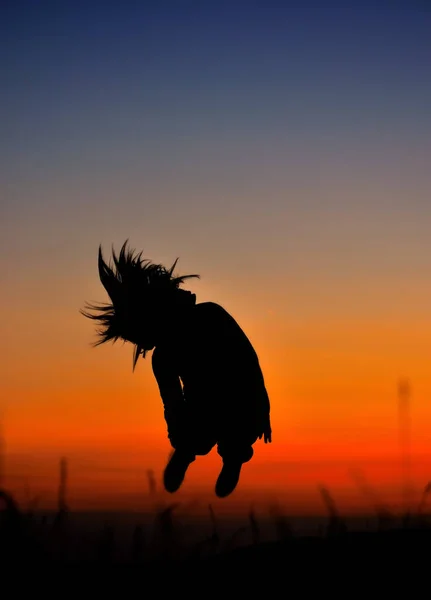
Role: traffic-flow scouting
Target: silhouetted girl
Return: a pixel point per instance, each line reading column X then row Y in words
column 208, row 373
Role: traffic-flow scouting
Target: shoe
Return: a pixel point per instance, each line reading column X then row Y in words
column 175, row 470
column 228, row 478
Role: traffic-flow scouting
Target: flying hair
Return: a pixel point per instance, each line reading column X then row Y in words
column 133, row 284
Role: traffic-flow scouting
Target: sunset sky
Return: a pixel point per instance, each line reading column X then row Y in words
column 281, row 150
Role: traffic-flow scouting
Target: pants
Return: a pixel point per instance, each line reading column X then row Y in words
column 233, row 431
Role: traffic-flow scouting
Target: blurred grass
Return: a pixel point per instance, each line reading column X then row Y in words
column 32, row 538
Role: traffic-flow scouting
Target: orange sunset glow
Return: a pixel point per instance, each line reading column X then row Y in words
column 333, row 392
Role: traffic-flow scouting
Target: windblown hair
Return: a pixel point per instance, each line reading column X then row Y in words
column 134, row 285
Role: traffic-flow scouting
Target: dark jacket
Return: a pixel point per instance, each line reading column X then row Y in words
column 209, row 367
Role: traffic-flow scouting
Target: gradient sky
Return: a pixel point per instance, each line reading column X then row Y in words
column 281, row 150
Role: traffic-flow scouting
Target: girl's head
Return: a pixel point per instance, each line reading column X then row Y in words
column 145, row 298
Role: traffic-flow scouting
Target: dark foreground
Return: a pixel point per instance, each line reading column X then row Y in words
column 388, row 563
column 395, row 554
